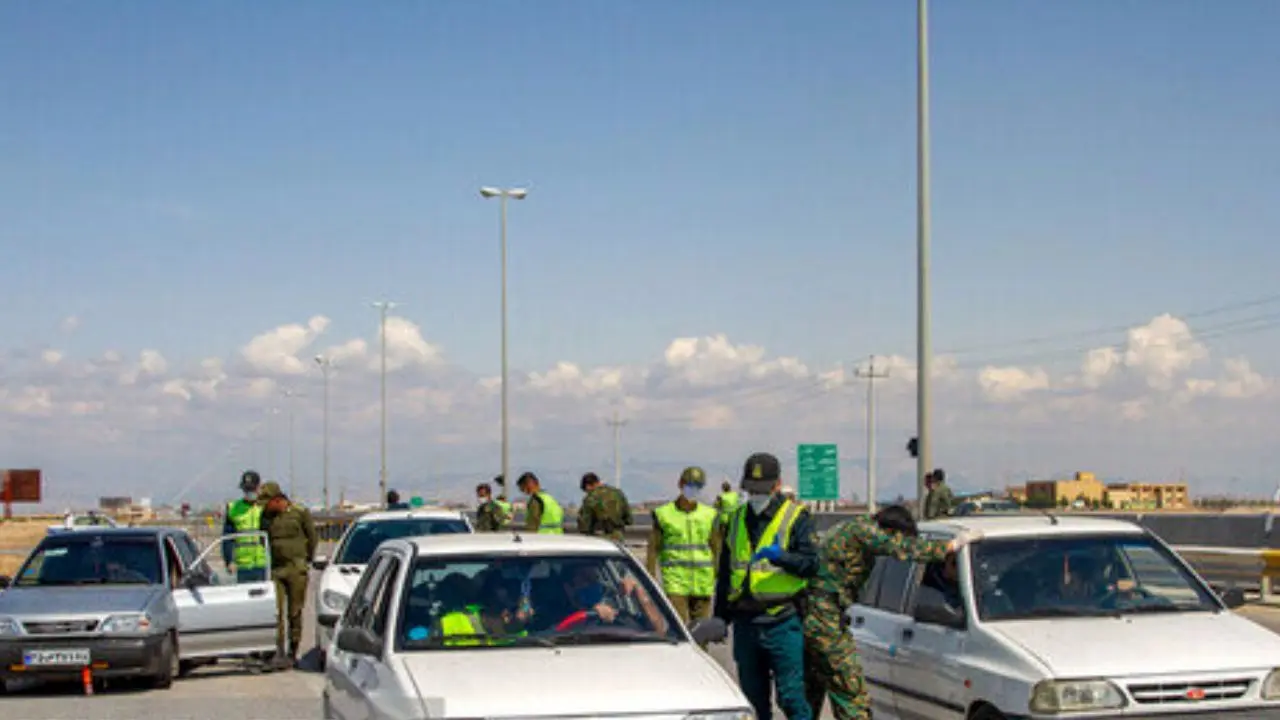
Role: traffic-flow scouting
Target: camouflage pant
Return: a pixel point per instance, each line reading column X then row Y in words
column 834, row 662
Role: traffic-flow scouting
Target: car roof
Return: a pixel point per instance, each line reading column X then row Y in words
column 506, row 543
column 127, row 532
column 425, row 513
column 1031, row 524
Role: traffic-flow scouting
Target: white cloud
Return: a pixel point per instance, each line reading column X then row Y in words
column 69, row 324
column 702, row 399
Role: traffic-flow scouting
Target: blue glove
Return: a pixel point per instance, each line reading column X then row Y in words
column 771, row 553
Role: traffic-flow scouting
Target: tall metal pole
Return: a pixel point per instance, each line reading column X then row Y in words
column 617, row 448
column 871, row 375
column 325, row 364
column 506, row 436
column 292, row 477
column 924, row 459
column 383, row 306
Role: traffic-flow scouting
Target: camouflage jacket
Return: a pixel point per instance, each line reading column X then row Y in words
column 292, row 536
column 848, row 554
column 605, row 511
column 490, row 517
column 938, row 502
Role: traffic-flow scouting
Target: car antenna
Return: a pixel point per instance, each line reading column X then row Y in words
column 1053, row 519
column 515, row 536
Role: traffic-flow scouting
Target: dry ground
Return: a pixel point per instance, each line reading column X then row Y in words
column 16, row 540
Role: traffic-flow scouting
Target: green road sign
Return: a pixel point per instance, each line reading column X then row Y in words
column 416, row 502
column 819, row 476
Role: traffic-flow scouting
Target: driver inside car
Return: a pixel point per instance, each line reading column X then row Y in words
column 586, row 589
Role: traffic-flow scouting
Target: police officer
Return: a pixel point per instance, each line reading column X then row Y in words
column 767, row 557
column 542, row 513
column 682, row 543
column 292, row 536
column 605, row 509
column 490, row 516
column 246, row 556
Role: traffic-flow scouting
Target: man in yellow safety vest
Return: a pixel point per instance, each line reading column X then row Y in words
column 246, row 556
column 542, row 514
column 682, row 543
column 767, row 558
column 726, row 503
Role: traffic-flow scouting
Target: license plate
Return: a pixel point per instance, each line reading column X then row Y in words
column 77, row 658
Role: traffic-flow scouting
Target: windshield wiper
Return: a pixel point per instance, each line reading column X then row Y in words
column 1153, row 609
column 611, row 636
column 479, row 640
column 1059, row 611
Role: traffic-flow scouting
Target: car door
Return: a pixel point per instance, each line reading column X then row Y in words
column 343, row 677
column 928, row 672
column 377, row 693
column 220, row 615
column 876, row 623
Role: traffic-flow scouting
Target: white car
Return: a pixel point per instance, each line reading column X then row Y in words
column 342, row 571
column 1045, row 616
column 440, row 627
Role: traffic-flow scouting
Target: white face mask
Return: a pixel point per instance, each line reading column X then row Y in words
column 251, row 497
column 690, row 492
column 759, row 502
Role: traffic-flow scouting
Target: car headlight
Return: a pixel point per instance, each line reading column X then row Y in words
column 1270, row 686
column 334, row 601
column 722, row 715
column 9, row 627
column 1057, row 696
column 129, row 623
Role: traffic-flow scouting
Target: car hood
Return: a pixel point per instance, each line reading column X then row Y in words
column 81, row 599
column 1145, row 644
column 341, row 578
column 588, row 681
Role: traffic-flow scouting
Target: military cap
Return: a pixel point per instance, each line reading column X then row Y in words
column 760, row 472
column 693, row 475
column 269, row 491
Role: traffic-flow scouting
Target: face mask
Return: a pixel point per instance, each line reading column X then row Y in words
column 589, row 596
column 759, row 502
column 690, row 492
column 251, row 497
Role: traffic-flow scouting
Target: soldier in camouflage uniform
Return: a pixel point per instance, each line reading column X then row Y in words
column 291, row 534
column 940, row 500
column 605, row 509
column 490, row 515
column 844, row 564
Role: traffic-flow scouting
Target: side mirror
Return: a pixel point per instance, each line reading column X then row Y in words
column 358, row 641
column 321, row 562
column 5, row 581
column 329, row 621
column 1232, row 598
column 710, row 630
column 933, row 610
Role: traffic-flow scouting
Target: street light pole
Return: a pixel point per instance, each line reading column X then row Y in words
column 383, row 306
column 325, row 364
column 924, row 457
column 289, row 397
column 502, row 195
column 871, row 375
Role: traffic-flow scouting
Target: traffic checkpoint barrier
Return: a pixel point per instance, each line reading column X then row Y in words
column 1255, row 569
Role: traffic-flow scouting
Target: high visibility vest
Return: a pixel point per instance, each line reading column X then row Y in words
column 506, row 509
column 462, row 623
column 762, row 580
column 249, row 553
column 729, row 502
column 552, row 515
column 685, row 556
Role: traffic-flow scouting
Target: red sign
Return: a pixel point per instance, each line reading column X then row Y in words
column 21, row 486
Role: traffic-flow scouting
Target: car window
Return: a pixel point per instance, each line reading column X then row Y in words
column 510, row 601
column 173, row 563
column 939, row 582
column 362, row 596
column 365, row 537
column 187, row 550
column 75, row 559
column 893, row 584
column 867, row 595
column 383, row 598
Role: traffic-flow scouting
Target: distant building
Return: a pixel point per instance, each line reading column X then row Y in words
column 1083, row 488
column 1016, row 493
column 1149, row 496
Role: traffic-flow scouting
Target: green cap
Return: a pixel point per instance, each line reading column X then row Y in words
column 693, row 476
column 269, row 491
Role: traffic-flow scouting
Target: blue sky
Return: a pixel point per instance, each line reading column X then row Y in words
column 184, row 176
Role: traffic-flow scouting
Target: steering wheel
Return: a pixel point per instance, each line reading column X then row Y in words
column 577, row 619
column 1111, row 597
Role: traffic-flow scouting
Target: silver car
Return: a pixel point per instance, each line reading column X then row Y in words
column 131, row 602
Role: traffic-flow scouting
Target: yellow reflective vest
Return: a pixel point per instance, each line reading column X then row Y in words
column 763, row 581
column 249, row 553
column 685, row 556
column 506, row 509
column 552, row 515
column 729, row 502
column 465, row 623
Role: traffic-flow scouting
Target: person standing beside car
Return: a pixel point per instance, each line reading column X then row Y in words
column 605, row 509
column 291, row 535
column 245, row 556
column 490, row 516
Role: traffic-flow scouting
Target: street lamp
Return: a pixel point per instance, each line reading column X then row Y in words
column 383, row 306
column 289, row 396
column 326, row 365
column 502, row 195
column 923, row 351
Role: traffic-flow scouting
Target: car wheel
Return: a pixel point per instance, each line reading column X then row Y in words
column 986, row 712
column 169, row 664
column 186, row 667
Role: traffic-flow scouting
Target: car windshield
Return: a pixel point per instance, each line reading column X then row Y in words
column 93, row 560
column 462, row 603
column 365, row 537
column 1016, row 579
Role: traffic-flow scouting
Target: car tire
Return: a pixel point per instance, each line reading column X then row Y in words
column 186, row 667
column 986, row 712
column 169, row 664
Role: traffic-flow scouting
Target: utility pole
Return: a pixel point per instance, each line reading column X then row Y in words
column 383, row 306
column 503, row 194
column 924, row 456
column 271, row 443
column 617, row 424
column 325, row 365
column 289, row 396
column 871, row 376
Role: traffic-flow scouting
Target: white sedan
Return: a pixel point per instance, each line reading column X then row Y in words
column 437, row 627
column 342, row 571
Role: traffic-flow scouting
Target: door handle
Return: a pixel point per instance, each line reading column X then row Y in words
column 908, row 633
column 257, row 592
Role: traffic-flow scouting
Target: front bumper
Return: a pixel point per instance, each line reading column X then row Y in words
column 108, row 657
column 1257, row 712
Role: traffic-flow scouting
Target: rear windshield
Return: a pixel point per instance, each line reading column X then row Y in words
column 365, row 537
